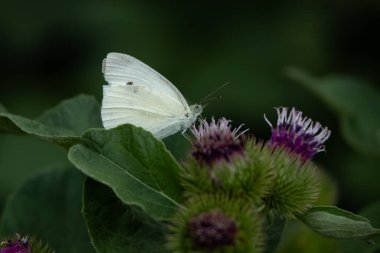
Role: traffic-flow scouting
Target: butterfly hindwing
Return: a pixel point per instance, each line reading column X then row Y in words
column 124, row 104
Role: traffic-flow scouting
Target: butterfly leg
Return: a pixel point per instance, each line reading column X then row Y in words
column 185, row 135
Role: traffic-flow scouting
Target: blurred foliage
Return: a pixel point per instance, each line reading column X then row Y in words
column 21, row 156
column 356, row 104
column 60, row 222
column 53, row 50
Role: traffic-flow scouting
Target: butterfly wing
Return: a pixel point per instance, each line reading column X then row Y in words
column 139, row 95
column 121, row 69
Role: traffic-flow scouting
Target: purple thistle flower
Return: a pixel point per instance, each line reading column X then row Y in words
column 215, row 141
column 19, row 245
column 298, row 134
column 212, row 230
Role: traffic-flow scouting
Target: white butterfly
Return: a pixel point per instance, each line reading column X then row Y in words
column 139, row 95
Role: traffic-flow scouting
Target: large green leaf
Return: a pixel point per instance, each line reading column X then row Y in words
column 178, row 146
column 371, row 212
column 356, row 103
column 134, row 164
column 48, row 206
column 2, row 108
column 336, row 223
column 63, row 124
column 299, row 238
column 115, row 227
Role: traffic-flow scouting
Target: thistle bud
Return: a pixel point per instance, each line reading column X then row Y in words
column 212, row 230
column 214, row 223
column 216, row 141
column 221, row 162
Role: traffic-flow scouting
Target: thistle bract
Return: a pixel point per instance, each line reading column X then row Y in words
column 295, row 185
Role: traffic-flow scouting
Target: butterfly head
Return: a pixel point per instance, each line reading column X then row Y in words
column 196, row 110
column 191, row 117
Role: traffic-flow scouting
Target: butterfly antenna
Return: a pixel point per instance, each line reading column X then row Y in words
column 207, row 102
column 206, row 99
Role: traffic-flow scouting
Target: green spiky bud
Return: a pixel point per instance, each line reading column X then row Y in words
column 19, row 244
column 213, row 223
column 296, row 183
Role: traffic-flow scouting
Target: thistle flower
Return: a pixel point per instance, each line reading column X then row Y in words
column 216, row 141
column 18, row 244
column 298, row 134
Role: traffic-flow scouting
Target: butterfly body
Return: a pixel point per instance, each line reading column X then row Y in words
column 138, row 95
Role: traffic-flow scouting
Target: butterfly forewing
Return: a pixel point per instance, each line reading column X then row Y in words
column 121, row 69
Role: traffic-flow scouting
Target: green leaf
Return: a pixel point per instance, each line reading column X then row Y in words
column 299, row 238
column 134, row 164
column 115, row 227
column 274, row 229
column 2, row 108
column 336, row 223
column 63, row 124
column 372, row 212
column 362, row 131
column 356, row 103
column 48, row 206
column 178, row 146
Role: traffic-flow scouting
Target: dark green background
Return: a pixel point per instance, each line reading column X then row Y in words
column 50, row 51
